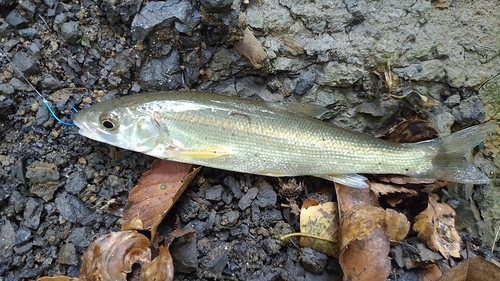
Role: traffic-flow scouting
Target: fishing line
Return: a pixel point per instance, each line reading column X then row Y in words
column 45, row 101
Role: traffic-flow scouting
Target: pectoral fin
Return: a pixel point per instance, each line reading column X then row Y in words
column 352, row 180
column 202, row 153
column 272, row 173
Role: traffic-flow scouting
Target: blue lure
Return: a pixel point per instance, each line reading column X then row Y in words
column 45, row 101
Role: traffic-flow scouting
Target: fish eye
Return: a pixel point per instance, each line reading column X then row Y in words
column 109, row 120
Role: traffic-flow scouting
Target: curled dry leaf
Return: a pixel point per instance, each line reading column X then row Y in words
column 320, row 223
column 473, row 269
column 436, row 226
column 251, row 48
column 157, row 191
column 111, row 257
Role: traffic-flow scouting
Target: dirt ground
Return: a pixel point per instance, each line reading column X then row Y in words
column 59, row 191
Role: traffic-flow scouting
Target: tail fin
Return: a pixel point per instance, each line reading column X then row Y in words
column 448, row 161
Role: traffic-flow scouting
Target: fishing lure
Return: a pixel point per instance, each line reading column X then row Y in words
column 44, row 100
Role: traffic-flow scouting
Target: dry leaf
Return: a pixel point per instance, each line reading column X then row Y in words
column 251, row 48
column 57, row 278
column 473, row 269
column 110, row 257
column 367, row 259
column 396, row 225
column 157, row 191
column 358, row 222
column 402, row 180
column 364, row 245
column 436, row 226
column 411, row 130
column 384, row 189
column 320, row 223
column 430, row 273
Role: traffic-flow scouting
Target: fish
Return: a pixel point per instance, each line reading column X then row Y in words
column 270, row 139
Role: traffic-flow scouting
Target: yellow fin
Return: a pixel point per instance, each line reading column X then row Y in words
column 200, row 153
column 272, row 173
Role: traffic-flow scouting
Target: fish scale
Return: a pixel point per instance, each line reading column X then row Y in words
column 264, row 138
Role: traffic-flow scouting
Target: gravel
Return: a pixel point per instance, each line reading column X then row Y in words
column 60, row 191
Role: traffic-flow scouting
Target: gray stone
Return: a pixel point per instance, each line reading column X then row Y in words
column 191, row 62
column 71, row 207
column 162, row 74
column 469, row 112
column 230, row 218
column 75, row 183
column 305, row 82
column 17, row 20
column 80, row 237
column 29, row 33
column 442, row 123
column 44, row 179
column 271, row 246
column 23, row 235
column 7, row 242
column 214, row 193
column 25, row 63
column 42, row 115
column 32, row 213
column 312, row 260
column 234, row 185
column 185, row 254
column 267, row 197
column 246, row 200
column 162, row 14
column 67, row 254
column 70, row 32
column 216, row 5
column 452, row 101
column 23, row 249
column 432, row 70
column 121, row 10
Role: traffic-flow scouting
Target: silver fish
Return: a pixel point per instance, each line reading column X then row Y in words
column 264, row 138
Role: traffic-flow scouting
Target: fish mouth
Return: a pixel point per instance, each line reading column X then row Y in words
column 84, row 130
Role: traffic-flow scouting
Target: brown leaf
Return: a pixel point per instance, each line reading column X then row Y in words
column 402, row 180
column 367, row 259
column 364, row 245
column 321, row 222
column 161, row 268
column 430, row 273
column 473, row 269
column 411, row 130
column 396, row 225
column 110, row 257
column 157, row 191
column 384, row 189
column 436, row 226
column 251, row 48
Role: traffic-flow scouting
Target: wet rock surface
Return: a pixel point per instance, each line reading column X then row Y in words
column 56, row 186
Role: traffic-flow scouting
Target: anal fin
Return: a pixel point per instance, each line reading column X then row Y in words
column 352, row 180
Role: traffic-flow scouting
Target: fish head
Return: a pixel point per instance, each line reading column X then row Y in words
column 124, row 126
